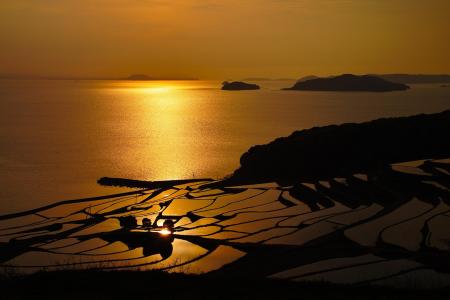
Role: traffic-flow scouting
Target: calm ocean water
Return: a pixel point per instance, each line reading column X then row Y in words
column 58, row 137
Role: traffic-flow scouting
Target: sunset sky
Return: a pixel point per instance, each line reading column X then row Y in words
column 221, row 39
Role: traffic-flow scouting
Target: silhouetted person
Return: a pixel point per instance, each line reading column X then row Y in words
column 146, row 223
column 168, row 224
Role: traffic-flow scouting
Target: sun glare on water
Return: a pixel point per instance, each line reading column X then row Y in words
column 148, row 87
column 155, row 89
column 165, row 232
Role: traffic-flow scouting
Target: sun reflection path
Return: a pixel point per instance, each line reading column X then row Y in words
column 166, row 118
column 367, row 229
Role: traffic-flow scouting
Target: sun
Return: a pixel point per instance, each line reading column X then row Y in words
column 165, row 232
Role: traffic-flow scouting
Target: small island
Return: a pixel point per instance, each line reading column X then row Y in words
column 349, row 82
column 238, row 86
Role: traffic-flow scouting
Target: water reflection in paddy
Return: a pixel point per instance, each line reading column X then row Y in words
column 231, row 230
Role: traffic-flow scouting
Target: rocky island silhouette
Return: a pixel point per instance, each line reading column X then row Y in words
column 238, row 86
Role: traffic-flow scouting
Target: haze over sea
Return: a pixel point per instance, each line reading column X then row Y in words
column 58, row 137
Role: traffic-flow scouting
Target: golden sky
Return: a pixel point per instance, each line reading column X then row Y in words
column 223, row 38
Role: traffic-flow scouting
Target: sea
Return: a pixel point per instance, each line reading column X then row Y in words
column 58, row 137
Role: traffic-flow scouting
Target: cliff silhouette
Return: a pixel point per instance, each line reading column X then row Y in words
column 340, row 150
column 348, row 82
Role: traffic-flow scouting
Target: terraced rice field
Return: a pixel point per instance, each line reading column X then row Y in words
column 390, row 227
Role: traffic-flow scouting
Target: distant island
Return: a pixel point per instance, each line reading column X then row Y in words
column 416, row 78
column 309, row 77
column 401, row 78
column 340, row 150
column 267, row 79
column 348, row 82
column 143, row 77
column 257, row 79
column 238, row 86
column 138, row 77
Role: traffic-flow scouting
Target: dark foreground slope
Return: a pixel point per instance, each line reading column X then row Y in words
column 349, row 82
column 159, row 285
column 340, row 150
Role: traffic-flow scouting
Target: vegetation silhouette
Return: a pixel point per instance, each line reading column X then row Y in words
column 92, row 284
column 131, row 183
